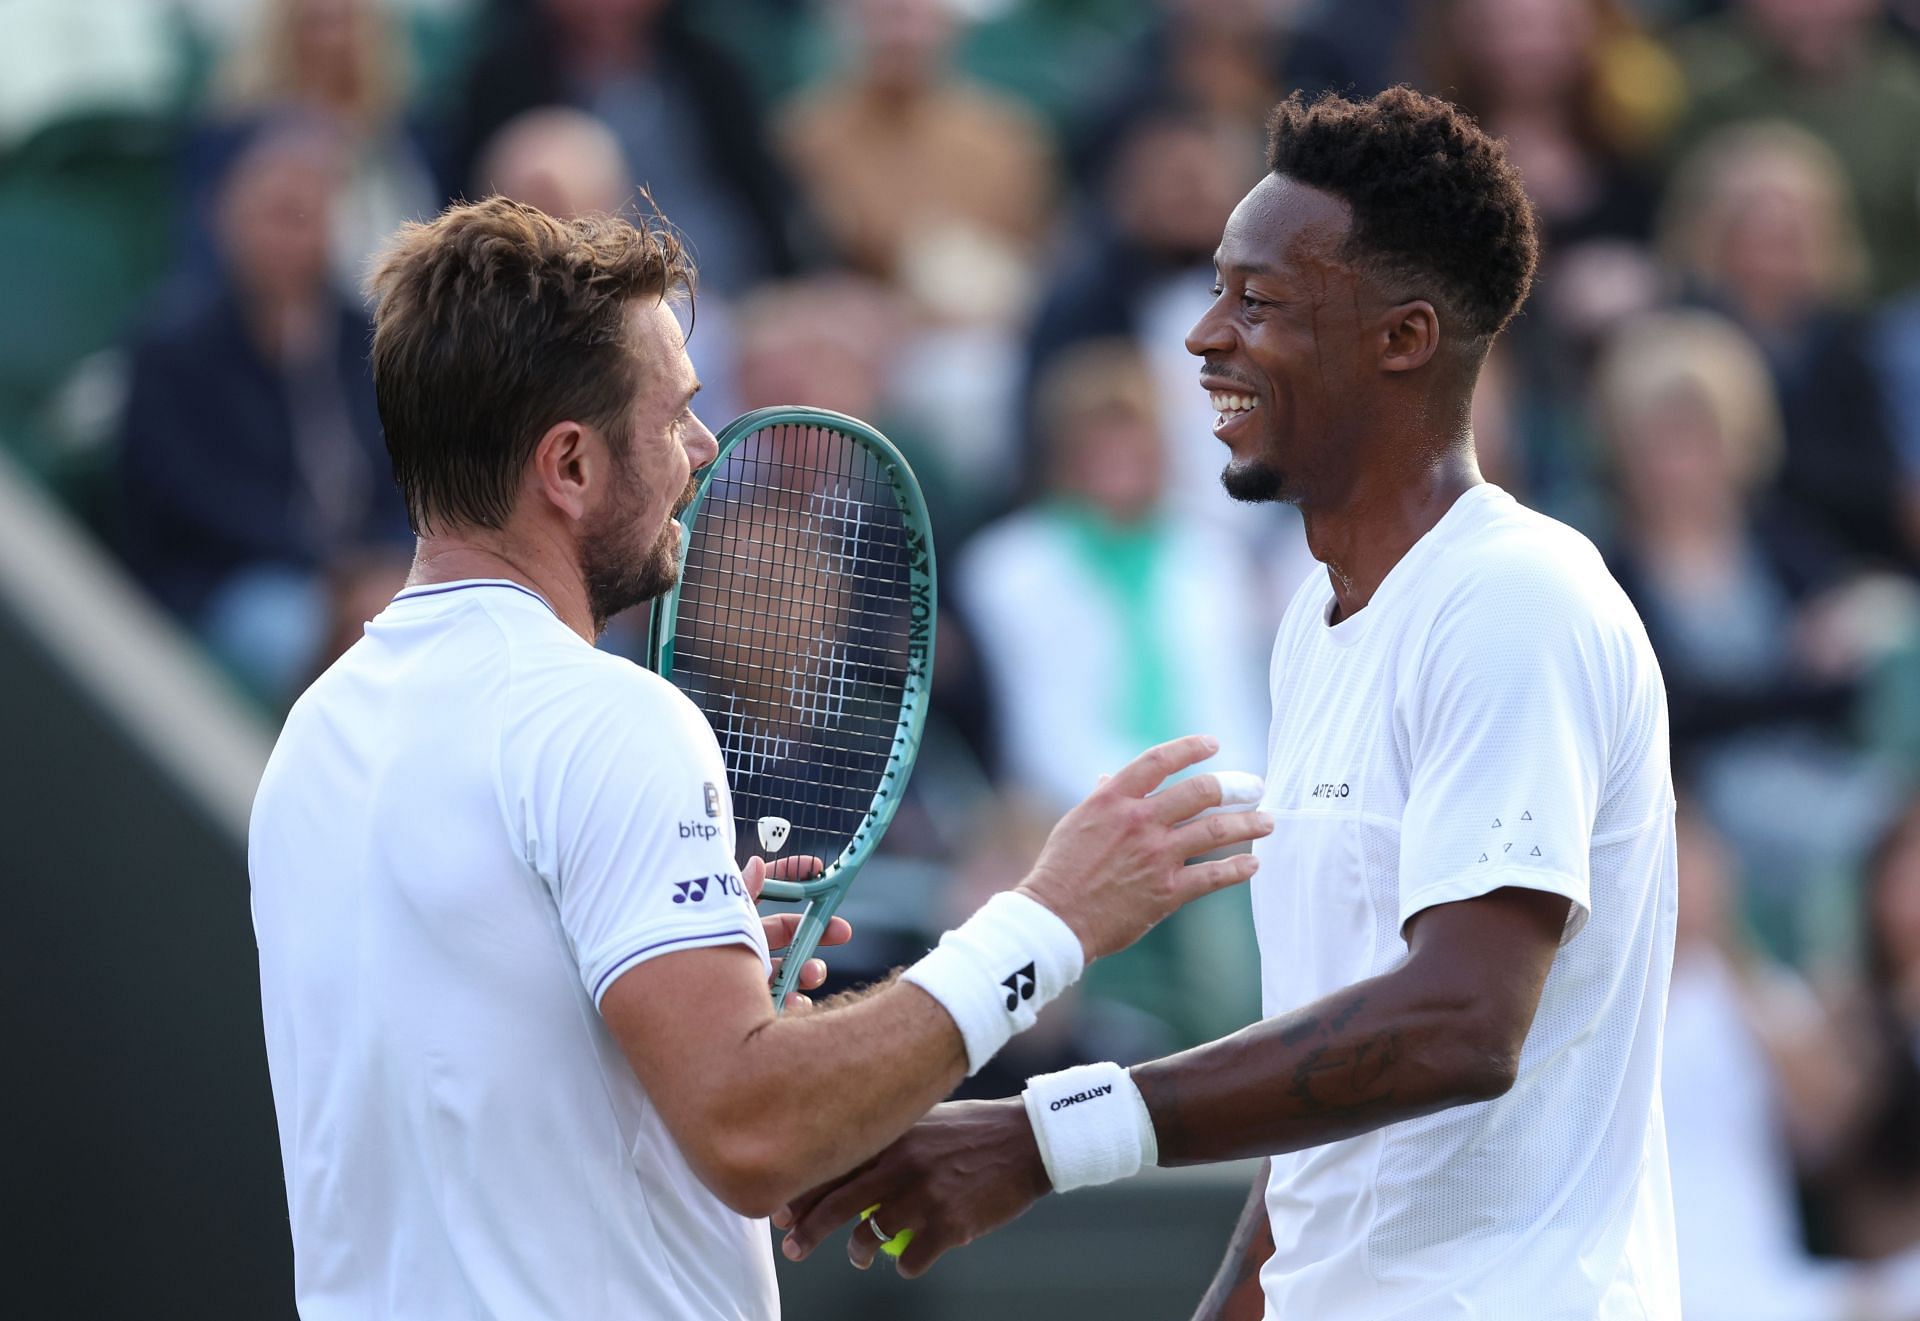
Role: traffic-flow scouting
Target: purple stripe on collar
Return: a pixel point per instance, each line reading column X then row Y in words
column 416, row 593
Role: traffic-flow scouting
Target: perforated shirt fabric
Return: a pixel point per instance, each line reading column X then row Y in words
column 472, row 825
column 1493, row 717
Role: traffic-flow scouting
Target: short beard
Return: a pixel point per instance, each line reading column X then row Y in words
column 1253, row 482
column 614, row 577
column 615, row 581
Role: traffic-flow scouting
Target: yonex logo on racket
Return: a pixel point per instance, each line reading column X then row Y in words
column 1019, row 987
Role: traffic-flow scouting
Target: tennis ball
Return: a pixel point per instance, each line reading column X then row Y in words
column 896, row 1245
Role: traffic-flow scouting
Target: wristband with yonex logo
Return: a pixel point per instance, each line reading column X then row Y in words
column 998, row 969
column 1091, row 1124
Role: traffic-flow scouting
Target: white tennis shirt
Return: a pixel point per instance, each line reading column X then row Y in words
column 470, row 826
column 1494, row 717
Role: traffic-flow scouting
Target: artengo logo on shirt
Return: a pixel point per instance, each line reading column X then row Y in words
column 1330, row 791
column 697, row 889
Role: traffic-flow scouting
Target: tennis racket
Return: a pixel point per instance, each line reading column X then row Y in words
column 802, row 627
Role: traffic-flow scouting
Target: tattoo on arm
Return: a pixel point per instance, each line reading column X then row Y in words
column 1341, row 1066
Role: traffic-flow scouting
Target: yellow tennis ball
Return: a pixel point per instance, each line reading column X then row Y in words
column 896, row 1245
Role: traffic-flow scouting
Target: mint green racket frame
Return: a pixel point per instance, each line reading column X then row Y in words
column 823, row 895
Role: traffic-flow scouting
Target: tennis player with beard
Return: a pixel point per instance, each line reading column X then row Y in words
column 515, row 990
column 1466, row 911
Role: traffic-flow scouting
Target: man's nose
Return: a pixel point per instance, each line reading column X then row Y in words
column 1210, row 334
column 702, row 448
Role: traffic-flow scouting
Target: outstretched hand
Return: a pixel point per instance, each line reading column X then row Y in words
column 1123, row 859
column 962, row 1172
column 781, row 926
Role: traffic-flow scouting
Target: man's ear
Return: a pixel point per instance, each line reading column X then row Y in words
column 1409, row 336
column 565, row 467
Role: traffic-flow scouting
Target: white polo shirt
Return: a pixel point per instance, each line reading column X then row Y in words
column 1493, row 717
column 470, row 826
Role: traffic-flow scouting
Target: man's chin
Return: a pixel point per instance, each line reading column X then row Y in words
column 1254, row 483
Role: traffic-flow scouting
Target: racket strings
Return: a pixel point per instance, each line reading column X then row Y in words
column 793, row 629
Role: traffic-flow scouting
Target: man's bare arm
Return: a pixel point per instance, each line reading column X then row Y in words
column 1235, row 1294
column 765, row 1107
column 1444, row 1028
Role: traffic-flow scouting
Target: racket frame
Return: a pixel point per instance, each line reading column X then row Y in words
column 823, row 894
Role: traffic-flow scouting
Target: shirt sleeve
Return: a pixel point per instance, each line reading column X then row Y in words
column 627, row 819
column 1507, row 734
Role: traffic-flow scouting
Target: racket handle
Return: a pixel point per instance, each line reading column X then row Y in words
column 813, row 925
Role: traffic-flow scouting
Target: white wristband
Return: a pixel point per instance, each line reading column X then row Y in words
column 994, row 972
column 1092, row 1125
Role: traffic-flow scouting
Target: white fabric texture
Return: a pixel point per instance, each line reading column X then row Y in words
column 471, row 826
column 1091, row 1125
column 996, row 971
column 1494, row 717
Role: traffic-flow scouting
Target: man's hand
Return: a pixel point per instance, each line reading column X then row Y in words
column 1117, row 863
column 781, row 926
column 966, row 1169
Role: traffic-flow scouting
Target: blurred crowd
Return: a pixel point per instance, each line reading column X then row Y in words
column 986, row 226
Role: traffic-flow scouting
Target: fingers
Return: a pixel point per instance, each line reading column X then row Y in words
column 1206, row 877
column 781, row 926
column 799, row 867
column 1201, row 793
column 831, row 1209
column 813, row 973
column 1149, row 770
column 1209, row 833
column 754, row 877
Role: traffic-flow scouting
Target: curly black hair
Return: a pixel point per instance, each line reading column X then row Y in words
column 1437, row 208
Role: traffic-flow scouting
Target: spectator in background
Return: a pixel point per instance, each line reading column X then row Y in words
column 943, row 188
column 345, row 62
column 914, row 171
column 1576, row 92
column 1757, row 1078
column 563, row 161
column 1221, row 58
column 1756, row 621
column 683, row 111
column 1835, row 68
column 251, row 452
column 1876, row 1192
column 1103, row 621
column 1581, row 96
column 1759, row 224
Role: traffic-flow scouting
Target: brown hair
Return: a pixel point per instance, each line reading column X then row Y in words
column 495, row 321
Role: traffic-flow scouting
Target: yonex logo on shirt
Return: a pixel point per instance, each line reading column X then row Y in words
column 695, row 890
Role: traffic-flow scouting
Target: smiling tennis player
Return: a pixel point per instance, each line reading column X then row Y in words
column 515, row 991
column 1466, row 913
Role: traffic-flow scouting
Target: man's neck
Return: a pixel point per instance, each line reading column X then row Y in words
column 536, row 566
column 1379, row 522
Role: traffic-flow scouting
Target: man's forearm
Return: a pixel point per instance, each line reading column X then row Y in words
column 812, row 1096
column 1235, row 1294
column 1380, row 1051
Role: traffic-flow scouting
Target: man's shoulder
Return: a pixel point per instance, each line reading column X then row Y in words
column 561, row 676
column 1516, row 553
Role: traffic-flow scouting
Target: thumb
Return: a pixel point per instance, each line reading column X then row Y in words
column 754, row 877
